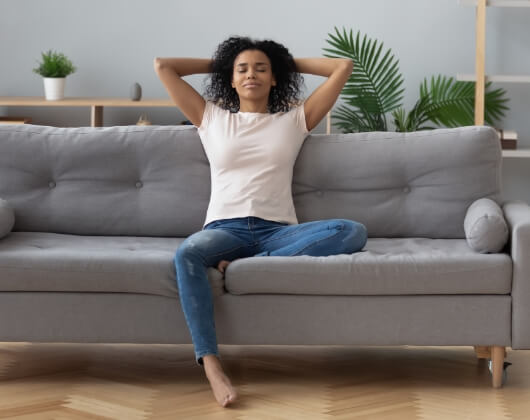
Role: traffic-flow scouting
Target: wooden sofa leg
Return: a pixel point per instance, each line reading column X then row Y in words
column 497, row 362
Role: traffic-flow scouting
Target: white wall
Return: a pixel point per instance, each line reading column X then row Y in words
column 113, row 43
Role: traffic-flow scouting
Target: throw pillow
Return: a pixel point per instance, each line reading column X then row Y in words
column 7, row 218
column 485, row 227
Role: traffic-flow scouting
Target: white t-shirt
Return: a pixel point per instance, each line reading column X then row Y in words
column 251, row 157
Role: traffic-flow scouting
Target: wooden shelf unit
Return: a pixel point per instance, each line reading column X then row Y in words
column 96, row 104
column 516, row 153
column 502, row 78
column 480, row 77
column 498, row 3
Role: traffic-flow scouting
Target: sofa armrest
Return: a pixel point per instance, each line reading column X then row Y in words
column 517, row 214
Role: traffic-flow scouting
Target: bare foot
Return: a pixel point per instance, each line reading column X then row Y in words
column 223, row 391
column 222, row 265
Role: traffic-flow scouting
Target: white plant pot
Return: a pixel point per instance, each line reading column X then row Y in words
column 54, row 88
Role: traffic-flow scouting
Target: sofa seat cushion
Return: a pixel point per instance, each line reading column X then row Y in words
column 396, row 266
column 45, row 262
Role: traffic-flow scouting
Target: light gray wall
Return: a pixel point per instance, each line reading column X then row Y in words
column 113, row 43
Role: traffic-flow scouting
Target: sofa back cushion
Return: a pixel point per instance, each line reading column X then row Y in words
column 155, row 180
column 417, row 184
column 129, row 180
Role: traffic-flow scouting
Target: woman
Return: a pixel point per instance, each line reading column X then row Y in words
column 252, row 128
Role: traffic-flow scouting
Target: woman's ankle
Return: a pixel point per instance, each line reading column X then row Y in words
column 211, row 360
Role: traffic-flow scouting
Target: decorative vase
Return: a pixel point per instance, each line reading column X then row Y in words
column 136, row 92
column 54, row 88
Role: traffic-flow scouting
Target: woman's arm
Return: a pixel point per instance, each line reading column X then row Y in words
column 337, row 70
column 187, row 99
column 185, row 66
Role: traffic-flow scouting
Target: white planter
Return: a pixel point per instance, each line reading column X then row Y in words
column 54, row 88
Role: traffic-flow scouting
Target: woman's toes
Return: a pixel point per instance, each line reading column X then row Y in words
column 222, row 265
column 223, row 391
column 230, row 398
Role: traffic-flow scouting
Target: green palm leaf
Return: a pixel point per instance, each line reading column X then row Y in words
column 415, row 119
column 494, row 104
column 374, row 87
column 449, row 103
column 452, row 103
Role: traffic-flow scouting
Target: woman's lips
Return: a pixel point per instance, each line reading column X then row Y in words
column 253, row 85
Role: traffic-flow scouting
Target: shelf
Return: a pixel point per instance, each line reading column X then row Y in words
column 96, row 104
column 516, row 153
column 506, row 78
column 82, row 101
column 480, row 78
column 498, row 3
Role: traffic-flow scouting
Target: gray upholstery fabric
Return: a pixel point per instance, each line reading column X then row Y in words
column 155, row 181
column 39, row 261
column 131, row 181
column 416, row 184
column 259, row 319
column 387, row 266
column 365, row 320
column 101, row 212
column 35, row 261
column 485, row 227
column 7, row 218
column 518, row 217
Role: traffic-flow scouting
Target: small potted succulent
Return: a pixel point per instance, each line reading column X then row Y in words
column 54, row 68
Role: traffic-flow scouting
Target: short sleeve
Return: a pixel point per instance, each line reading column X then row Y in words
column 300, row 118
column 207, row 116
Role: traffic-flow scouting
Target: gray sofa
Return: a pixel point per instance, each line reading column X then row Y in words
column 100, row 212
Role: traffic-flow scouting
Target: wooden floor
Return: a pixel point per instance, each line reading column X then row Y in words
column 129, row 382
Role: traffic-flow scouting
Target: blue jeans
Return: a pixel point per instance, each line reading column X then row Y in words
column 242, row 237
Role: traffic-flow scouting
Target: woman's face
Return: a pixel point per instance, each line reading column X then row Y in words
column 252, row 75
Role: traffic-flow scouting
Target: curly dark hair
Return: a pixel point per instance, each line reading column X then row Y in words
column 282, row 97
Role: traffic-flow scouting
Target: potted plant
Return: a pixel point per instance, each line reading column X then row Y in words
column 375, row 89
column 54, row 68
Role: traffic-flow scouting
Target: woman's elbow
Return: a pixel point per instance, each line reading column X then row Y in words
column 157, row 63
column 348, row 64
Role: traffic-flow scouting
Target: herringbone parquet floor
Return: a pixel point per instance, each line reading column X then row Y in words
column 130, row 382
